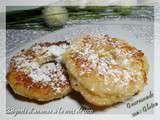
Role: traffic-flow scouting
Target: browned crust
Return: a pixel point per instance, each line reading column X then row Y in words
column 24, row 86
column 74, row 57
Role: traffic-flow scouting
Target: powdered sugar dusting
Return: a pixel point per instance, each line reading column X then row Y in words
column 56, row 50
column 107, row 56
column 48, row 72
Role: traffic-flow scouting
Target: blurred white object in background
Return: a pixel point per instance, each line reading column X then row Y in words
column 55, row 16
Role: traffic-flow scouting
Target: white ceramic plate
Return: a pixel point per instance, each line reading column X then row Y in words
column 73, row 102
